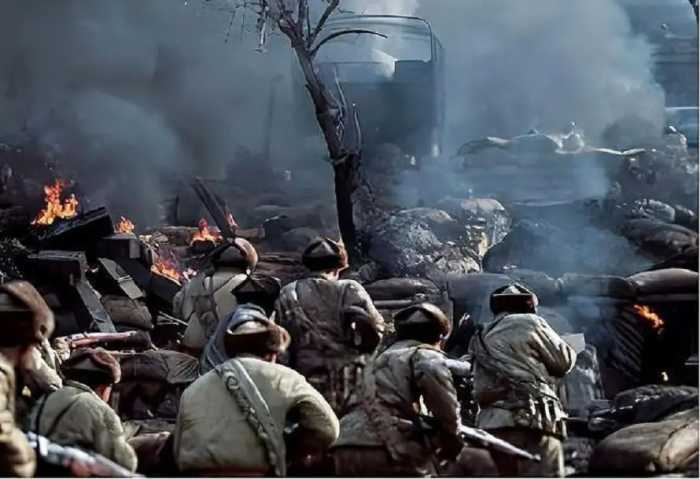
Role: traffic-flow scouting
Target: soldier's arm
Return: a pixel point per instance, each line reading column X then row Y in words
column 557, row 356
column 434, row 381
column 357, row 296
column 318, row 426
column 110, row 440
column 17, row 458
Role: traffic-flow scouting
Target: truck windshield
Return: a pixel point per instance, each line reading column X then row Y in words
column 407, row 39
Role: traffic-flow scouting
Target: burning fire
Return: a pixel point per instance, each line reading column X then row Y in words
column 125, row 226
column 167, row 267
column 649, row 316
column 54, row 207
column 205, row 233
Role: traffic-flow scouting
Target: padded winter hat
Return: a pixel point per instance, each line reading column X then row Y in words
column 26, row 318
column 239, row 254
column 423, row 315
column 514, row 298
column 97, row 363
column 324, row 254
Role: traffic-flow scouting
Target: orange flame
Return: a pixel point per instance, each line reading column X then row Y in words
column 167, row 267
column 54, row 207
column 649, row 316
column 205, row 233
column 125, row 226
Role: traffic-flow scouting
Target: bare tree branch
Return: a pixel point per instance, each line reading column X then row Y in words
column 344, row 32
column 332, row 5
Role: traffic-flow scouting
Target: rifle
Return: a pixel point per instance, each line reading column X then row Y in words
column 483, row 438
column 70, row 458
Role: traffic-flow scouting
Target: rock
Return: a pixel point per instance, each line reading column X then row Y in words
column 399, row 288
column 405, row 245
column 296, row 216
column 487, row 221
column 649, row 448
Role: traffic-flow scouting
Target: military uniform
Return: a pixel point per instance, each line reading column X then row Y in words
column 517, row 360
column 231, row 420
column 333, row 323
column 17, row 458
column 76, row 416
column 207, row 299
column 26, row 321
column 256, row 295
column 383, row 436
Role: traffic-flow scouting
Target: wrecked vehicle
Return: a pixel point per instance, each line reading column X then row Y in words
column 396, row 80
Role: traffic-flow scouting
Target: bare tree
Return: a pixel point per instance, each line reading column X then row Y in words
column 338, row 121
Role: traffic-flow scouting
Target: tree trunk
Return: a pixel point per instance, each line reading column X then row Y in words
column 345, row 185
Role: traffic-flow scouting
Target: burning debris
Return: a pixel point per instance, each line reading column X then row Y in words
column 205, row 233
column 648, row 317
column 56, row 207
column 165, row 264
column 125, row 226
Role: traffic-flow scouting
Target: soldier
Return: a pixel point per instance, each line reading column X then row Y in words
column 207, row 299
column 518, row 359
column 231, row 420
column 333, row 324
column 79, row 414
column 28, row 321
column 383, row 436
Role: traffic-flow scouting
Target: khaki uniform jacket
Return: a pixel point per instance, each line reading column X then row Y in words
column 76, row 416
column 205, row 301
column 407, row 379
column 517, row 360
column 17, row 458
column 311, row 310
column 212, row 434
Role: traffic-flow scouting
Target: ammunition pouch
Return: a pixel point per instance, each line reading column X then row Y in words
column 543, row 414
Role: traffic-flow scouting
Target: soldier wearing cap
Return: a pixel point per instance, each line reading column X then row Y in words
column 256, row 297
column 27, row 321
column 333, row 323
column 232, row 419
column 79, row 415
column 518, row 358
column 207, row 300
column 410, row 379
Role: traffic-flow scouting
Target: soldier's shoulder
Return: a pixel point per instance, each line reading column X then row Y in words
column 523, row 319
column 352, row 285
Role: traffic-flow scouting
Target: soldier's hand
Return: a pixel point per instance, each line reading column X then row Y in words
column 80, row 469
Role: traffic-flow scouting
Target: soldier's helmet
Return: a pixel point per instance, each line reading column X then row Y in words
column 514, row 298
column 27, row 318
column 258, row 289
column 250, row 331
column 324, row 254
column 239, row 254
column 92, row 365
column 423, row 318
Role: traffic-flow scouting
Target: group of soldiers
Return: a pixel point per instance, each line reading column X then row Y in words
column 303, row 380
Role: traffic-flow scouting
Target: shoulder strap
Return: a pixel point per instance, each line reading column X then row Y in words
column 247, row 396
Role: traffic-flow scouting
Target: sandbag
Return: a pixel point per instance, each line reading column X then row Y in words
column 659, row 447
column 400, row 288
column 655, row 402
column 664, row 281
column 573, row 284
column 127, row 312
column 547, row 289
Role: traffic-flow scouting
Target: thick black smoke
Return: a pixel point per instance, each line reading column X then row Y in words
column 130, row 92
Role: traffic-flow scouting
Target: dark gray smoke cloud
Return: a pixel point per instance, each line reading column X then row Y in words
column 129, row 92
column 512, row 66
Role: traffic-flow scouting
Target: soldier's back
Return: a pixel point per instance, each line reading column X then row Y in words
column 213, row 433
